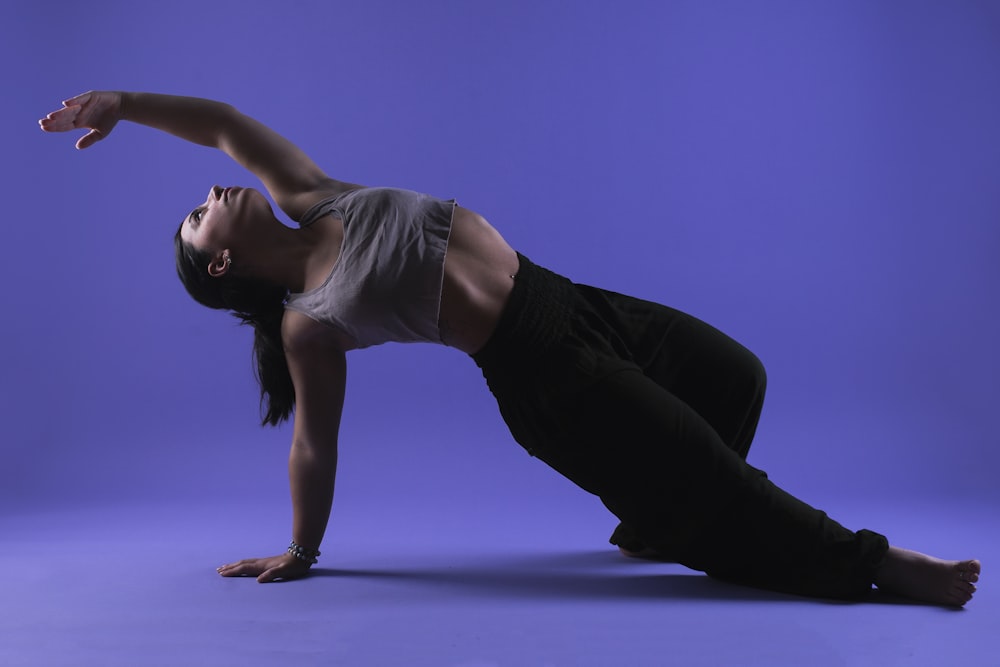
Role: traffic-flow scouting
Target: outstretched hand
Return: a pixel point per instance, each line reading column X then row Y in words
column 97, row 111
column 285, row 566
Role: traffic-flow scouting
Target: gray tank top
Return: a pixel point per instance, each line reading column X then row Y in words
column 386, row 284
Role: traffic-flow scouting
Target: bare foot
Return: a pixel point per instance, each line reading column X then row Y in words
column 928, row 579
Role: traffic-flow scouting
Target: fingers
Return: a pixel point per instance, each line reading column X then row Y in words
column 245, row 568
column 64, row 119
column 60, row 120
column 266, row 569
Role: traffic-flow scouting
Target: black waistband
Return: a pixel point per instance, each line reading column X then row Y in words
column 535, row 317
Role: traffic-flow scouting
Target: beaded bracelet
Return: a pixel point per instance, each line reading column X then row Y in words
column 310, row 556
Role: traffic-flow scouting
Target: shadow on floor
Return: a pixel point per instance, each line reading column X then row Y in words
column 583, row 575
column 571, row 575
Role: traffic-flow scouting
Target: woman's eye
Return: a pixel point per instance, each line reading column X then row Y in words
column 197, row 215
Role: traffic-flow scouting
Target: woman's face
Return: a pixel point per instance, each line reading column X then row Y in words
column 225, row 216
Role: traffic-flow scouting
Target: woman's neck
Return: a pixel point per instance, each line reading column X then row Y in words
column 293, row 258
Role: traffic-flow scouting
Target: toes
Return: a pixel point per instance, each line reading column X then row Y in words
column 962, row 592
column 958, row 597
column 968, row 571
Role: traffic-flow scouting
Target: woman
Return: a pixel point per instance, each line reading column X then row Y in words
column 644, row 406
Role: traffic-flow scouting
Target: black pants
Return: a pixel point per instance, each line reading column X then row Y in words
column 654, row 411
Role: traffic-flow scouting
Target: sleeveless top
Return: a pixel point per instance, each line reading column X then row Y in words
column 386, row 284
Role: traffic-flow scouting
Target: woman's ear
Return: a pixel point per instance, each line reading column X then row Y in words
column 220, row 264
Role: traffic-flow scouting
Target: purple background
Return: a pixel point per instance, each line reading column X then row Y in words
column 819, row 180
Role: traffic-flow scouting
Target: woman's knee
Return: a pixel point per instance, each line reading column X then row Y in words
column 756, row 375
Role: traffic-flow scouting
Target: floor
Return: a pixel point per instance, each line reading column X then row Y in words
column 112, row 585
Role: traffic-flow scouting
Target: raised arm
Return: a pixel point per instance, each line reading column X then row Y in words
column 319, row 372
column 289, row 175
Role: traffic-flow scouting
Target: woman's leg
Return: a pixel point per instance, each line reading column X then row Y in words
column 570, row 396
column 721, row 380
column 665, row 472
column 718, row 378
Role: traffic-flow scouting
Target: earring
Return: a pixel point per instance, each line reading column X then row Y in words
column 227, row 259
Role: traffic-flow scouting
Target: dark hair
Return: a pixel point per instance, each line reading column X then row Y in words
column 255, row 302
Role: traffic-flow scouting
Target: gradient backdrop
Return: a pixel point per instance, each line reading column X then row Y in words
column 817, row 179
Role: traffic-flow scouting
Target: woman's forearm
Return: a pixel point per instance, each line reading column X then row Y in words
column 289, row 175
column 194, row 119
column 311, row 473
column 283, row 168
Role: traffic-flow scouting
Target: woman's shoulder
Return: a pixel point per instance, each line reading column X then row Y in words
column 318, row 368
column 304, row 337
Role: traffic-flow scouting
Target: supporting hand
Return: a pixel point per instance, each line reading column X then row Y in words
column 98, row 111
column 285, row 566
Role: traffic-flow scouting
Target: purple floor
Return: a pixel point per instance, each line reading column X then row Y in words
column 136, row 586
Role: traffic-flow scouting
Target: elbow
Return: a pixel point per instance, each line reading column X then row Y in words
column 228, row 121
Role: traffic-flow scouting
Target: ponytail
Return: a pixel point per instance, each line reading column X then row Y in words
column 254, row 302
column 276, row 389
